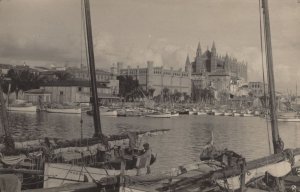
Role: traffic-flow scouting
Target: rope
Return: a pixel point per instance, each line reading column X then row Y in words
column 66, row 174
column 94, row 180
column 80, row 173
column 263, row 71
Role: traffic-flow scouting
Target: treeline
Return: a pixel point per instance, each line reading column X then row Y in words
column 17, row 80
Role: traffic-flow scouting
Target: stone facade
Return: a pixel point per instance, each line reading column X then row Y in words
column 257, row 88
column 158, row 78
column 210, row 62
column 209, row 69
column 75, row 91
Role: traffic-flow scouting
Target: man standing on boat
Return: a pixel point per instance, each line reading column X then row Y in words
column 144, row 159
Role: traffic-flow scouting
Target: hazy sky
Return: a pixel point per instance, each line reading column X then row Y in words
column 44, row 32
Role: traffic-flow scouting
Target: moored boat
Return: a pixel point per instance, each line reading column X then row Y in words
column 236, row 114
column 218, row 113
column 174, row 114
column 296, row 119
column 186, row 112
column 108, row 113
column 257, row 113
column 159, row 115
column 228, row 113
column 23, row 108
column 200, row 113
column 247, row 115
column 64, row 110
column 288, row 117
column 111, row 113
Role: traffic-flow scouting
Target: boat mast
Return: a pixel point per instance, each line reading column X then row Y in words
column 296, row 93
column 91, row 59
column 8, row 141
column 277, row 142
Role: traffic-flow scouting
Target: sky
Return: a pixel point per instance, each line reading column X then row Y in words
column 49, row 32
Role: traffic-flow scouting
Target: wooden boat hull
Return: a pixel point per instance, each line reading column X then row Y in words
column 247, row 115
column 276, row 165
column 174, row 114
column 279, row 169
column 200, row 113
column 23, row 109
column 159, row 115
column 257, row 113
column 66, row 111
column 218, row 113
column 289, row 119
column 109, row 113
column 186, row 112
column 183, row 170
column 227, row 114
column 236, row 114
column 105, row 113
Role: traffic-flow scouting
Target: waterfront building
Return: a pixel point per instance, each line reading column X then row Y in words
column 210, row 69
column 75, row 91
column 158, row 78
column 37, row 96
column 102, row 76
column 257, row 88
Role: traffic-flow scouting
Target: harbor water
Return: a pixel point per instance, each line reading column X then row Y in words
column 182, row 144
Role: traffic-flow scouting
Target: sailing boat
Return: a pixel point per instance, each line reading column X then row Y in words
column 233, row 173
column 97, row 170
column 72, row 155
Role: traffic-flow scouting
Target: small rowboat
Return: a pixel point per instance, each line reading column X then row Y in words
column 23, row 109
column 66, row 110
column 159, row 115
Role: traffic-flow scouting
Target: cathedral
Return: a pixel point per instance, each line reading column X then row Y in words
column 211, row 63
column 210, row 69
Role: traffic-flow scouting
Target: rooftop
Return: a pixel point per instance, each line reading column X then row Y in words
column 37, row 91
column 73, row 83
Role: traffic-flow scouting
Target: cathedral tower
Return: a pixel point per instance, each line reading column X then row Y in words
column 213, row 64
column 187, row 64
column 199, row 52
column 199, row 64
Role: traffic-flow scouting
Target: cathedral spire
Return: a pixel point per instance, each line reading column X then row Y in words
column 187, row 62
column 213, row 48
column 199, row 52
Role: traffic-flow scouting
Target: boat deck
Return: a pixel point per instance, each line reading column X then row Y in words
column 153, row 182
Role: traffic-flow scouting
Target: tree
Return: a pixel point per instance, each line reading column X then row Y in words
column 176, row 96
column 22, row 80
column 207, row 95
column 223, row 96
column 151, row 92
column 127, row 86
column 166, row 94
column 63, row 75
